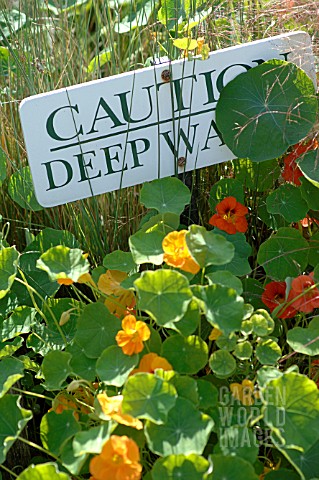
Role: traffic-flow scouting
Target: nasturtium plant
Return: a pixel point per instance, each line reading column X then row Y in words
column 278, row 100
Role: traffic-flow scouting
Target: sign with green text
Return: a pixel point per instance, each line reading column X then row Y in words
column 131, row 128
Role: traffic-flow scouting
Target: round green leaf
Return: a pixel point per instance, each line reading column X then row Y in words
column 268, row 352
column 291, row 411
column 226, row 279
column 92, row 441
column 185, row 431
column 208, row 248
column 284, row 255
column 147, row 247
column 50, row 237
column 239, row 441
column 165, row 195
column 13, row 419
column 226, row 342
column 288, row 202
column 56, row 429
column 19, row 322
column 175, row 467
column 207, row 393
column 185, row 354
column 21, row 190
column 164, row 295
column 239, row 265
column 222, row 363
column 113, row 366
column 148, row 396
column 310, row 193
column 81, row 365
column 43, row 471
column 164, row 222
column 118, row 260
column 11, row 370
column 189, row 322
column 308, row 164
column 63, row 262
column 56, row 368
column 304, row 340
column 262, row 323
column 275, row 100
column 9, row 258
column 243, row 350
column 256, row 176
column 305, row 462
column 228, row 467
column 96, row 329
column 224, row 309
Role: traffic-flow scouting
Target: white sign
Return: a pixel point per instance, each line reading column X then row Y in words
column 131, row 128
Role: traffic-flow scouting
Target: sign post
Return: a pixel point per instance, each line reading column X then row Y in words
column 155, row 122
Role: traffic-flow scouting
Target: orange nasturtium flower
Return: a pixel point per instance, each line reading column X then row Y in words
column 118, row 460
column 244, row 392
column 134, row 333
column 214, row 334
column 230, row 216
column 176, row 253
column 112, row 408
column 120, row 301
column 150, row 362
column 306, row 298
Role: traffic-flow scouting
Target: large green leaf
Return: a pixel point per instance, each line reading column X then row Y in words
column 147, row 247
column 224, row 309
column 43, row 471
column 13, row 419
column 310, row 193
column 225, row 278
column 306, row 463
column 11, row 370
column 304, row 340
column 185, row 354
column 118, row 260
column 239, row 440
column 52, row 336
column 92, row 441
column 308, row 164
column 291, row 411
column 81, row 365
column 228, row 467
column 9, row 258
column 285, row 254
column 185, row 431
column 63, row 263
column 56, row 429
column 73, row 463
column 275, row 100
column 165, row 195
column 50, row 237
column 268, row 351
column 96, row 329
column 175, row 467
column 288, row 202
column 21, row 190
column 208, row 248
column 164, row 295
column 113, row 366
column 56, row 368
column 19, row 322
column 239, row 265
column 148, row 396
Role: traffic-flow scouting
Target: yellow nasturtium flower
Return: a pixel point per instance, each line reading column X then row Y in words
column 112, row 408
column 176, row 253
column 244, row 392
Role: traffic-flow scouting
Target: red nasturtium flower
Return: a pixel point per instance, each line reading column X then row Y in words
column 118, row 460
column 230, row 216
column 176, row 252
column 291, row 172
column 134, row 333
column 274, row 295
column 306, row 299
